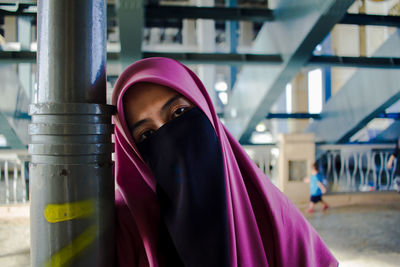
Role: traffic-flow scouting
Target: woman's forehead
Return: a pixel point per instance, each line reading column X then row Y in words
column 147, row 88
column 147, row 98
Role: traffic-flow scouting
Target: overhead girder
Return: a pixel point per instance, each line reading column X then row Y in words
column 172, row 15
column 232, row 59
column 368, row 93
column 297, row 115
column 297, row 28
column 216, row 13
column 220, row 58
column 357, row 62
column 367, row 19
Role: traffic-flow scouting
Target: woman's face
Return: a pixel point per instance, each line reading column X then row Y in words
column 149, row 106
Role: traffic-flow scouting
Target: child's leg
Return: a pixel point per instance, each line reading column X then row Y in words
column 311, row 207
column 325, row 205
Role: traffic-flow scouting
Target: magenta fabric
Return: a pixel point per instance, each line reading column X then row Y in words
column 265, row 228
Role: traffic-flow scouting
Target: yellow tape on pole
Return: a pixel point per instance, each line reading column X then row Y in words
column 68, row 211
column 72, row 249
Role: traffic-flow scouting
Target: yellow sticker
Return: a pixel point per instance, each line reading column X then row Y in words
column 68, row 211
column 70, row 251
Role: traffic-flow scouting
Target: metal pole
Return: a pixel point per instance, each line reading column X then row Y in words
column 71, row 181
column 6, row 181
column 23, row 180
column 15, row 181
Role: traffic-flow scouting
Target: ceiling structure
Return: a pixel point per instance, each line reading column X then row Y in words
column 260, row 47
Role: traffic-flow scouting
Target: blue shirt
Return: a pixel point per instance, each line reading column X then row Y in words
column 314, row 188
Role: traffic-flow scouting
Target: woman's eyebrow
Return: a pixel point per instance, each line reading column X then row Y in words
column 137, row 124
column 170, row 101
column 133, row 127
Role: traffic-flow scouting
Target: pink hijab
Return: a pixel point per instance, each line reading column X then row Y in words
column 265, row 228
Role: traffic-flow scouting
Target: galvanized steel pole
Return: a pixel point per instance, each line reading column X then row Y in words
column 71, row 180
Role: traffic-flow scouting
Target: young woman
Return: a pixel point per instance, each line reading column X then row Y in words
column 188, row 195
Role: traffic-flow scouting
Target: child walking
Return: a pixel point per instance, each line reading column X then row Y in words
column 316, row 189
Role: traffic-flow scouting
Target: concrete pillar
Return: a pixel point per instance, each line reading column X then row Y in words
column 189, row 33
column 10, row 28
column 245, row 34
column 296, row 155
column 375, row 36
column 343, row 39
column 362, row 32
column 299, row 102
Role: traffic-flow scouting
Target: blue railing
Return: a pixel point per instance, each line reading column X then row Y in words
column 357, row 168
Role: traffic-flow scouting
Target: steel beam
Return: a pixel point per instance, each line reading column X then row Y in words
column 233, row 59
column 365, row 95
column 355, row 62
column 293, row 116
column 71, row 178
column 190, row 58
column 17, row 13
column 175, row 14
column 297, row 28
column 215, row 13
column 375, row 20
column 220, row 58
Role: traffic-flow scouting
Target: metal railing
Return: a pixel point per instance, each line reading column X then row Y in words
column 357, row 168
column 14, row 181
column 266, row 158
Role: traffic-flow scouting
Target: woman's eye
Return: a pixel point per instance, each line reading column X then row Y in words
column 179, row 111
column 145, row 135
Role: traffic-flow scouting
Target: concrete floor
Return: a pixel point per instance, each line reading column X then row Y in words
column 360, row 236
column 14, row 236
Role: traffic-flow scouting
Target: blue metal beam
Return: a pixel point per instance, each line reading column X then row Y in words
column 394, row 116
